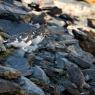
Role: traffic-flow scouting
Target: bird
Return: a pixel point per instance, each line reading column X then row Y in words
column 28, row 39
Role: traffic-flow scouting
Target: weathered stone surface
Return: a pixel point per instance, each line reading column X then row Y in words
column 13, row 28
column 9, row 1
column 86, row 40
column 20, row 63
column 55, row 46
column 43, row 42
column 89, row 75
column 46, row 4
column 67, row 18
column 39, row 73
column 7, row 7
column 62, row 63
column 71, row 87
column 76, row 76
column 29, row 88
column 51, row 21
column 41, row 3
column 92, row 90
column 55, row 11
column 8, row 86
column 80, row 57
column 76, row 59
column 39, row 19
column 9, row 73
column 91, row 23
column 75, row 8
column 46, row 56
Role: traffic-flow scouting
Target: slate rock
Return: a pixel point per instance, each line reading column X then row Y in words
column 89, row 75
column 19, row 63
column 55, row 46
column 76, row 49
column 76, row 76
column 7, row 86
column 13, row 28
column 45, row 55
column 39, row 73
column 70, row 87
column 40, row 19
column 9, row 73
column 61, row 54
column 77, row 60
column 9, row 1
column 61, row 63
column 20, row 52
column 80, row 57
column 86, row 40
column 43, row 4
column 29, row 88
column 55, row 11
column 10, row 17
column 66, row 18
column 54, row 21
column 92, row 91
column 6, row 7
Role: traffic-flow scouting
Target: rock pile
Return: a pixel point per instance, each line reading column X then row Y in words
column 48, row 49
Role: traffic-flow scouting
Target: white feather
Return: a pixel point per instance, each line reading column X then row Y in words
column 37, row 40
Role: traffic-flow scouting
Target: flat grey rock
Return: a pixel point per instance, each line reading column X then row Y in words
column 39, row 73
column 76, row 76
column 13, row 28
column 19, row 63
column 9, row 73
column 7, row 86
column 29, row 87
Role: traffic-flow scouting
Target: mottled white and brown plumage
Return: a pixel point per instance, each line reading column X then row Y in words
column 24, row 40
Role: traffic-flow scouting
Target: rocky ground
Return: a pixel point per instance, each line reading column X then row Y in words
column 48, row 49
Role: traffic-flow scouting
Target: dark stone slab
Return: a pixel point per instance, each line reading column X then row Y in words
column 13, row 28
column 20, row 63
